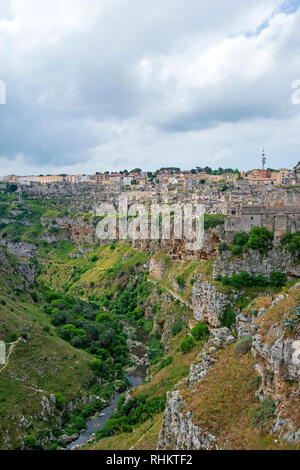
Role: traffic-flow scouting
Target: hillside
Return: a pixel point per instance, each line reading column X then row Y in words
column 217, row 331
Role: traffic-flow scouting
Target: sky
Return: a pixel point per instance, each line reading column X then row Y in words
column 99, row 85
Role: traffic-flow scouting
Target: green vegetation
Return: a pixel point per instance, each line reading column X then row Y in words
column 223, row 247
column 164, row 363
column 260, row 239
column 134, row 412
column 245, row 280
column 243, row 345
column 264, row 412
column 180, row 281
column 85, row 326
column 241, row 238
column 228, row 317
column 213, row 220
column 177, row 328
column 293, row 319
column 200, row 331
column 292, row 243
column 187, row 344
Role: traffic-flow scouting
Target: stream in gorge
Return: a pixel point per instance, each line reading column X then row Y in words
column 136, row 377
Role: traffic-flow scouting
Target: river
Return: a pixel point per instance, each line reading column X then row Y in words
column 136, row 377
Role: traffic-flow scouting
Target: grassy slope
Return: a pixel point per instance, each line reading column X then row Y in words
column 41, row 365
column 224, row 403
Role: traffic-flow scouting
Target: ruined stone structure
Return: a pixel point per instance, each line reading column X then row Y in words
column 280, row 213
column 277, row 219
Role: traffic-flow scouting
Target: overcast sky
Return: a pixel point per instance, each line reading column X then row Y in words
column 112, row 84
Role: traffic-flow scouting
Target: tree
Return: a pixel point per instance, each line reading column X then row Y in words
column 180, row 281
column 187, row 344
column 97, row 366
column 278, row 279
column 60, row 400
column 29, row 442
column 260, row 239
column 200, row 331
column 241, row 238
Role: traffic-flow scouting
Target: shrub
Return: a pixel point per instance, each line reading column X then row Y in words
column 78, row 423
column 29, row 442
column 244, row 280
column 260, row 239
column 177, row 327
column 187, row 344
column 12, row 337
column 34, row 296
column 103, row 317
column 241, row 238
column 11, row 188
column 243, row 345
column 278, row 279
column 200, row 331
column 292, row 243
column 236, row 250
column 96, row 365
column 222, row 247
column 228, row 317
column 264, row 412
column 180, row 281
column 165, row 362
column 60, row 400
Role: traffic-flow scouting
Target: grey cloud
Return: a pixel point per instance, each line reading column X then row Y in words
column 61, row 96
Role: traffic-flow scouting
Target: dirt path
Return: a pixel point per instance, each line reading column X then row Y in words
column 175, row 295
column 10, row 350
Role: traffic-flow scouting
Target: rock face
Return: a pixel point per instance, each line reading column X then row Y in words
column 208, row 303
column 22, row 268
column 245, row 325
column 255, row 263
column 179, row 432
column 24, row 250
column 156, row 269
column 277, row 355
column 199, row 369
column 27, row 271
column 220, row 339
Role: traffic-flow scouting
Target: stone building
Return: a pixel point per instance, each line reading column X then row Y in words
column 277, row 219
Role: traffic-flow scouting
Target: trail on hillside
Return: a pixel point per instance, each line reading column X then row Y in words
column 10, row 350
column 175, row 295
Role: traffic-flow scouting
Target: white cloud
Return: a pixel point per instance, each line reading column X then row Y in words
column 94, row 84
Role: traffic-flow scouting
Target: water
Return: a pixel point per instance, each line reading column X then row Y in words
column 135, row 377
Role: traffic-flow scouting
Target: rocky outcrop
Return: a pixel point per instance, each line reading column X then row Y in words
column 220, row 339
column 156, row 269
column 24, row 250
column 253, row 262
column 245, row 325
column 179, row 432
column 277, row 355
column 27, row 271
column 209, row 303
